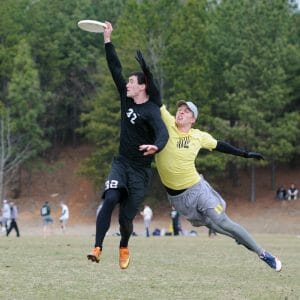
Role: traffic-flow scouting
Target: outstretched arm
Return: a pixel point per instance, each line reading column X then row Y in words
column 227, row 148
column 152, row 90
column 113, row 61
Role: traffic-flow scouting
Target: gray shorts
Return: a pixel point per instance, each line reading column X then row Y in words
column 194, row 202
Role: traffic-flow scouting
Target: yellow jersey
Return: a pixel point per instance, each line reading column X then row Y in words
column 176, row 161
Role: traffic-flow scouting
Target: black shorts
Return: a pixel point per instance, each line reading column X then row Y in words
column 133, row 182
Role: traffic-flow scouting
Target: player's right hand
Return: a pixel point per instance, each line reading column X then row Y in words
column 254, row 155
column 148, row 149
column 107, row 32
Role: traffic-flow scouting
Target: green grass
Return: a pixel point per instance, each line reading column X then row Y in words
column 161, row 268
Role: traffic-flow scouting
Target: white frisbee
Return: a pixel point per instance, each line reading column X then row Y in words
column 91, row 26
column 54, row 195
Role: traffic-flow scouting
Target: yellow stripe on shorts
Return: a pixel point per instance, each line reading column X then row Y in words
column 219, row 208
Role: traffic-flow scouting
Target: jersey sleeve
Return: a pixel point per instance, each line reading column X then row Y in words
column 168, row 119
column 115, row 67
column 154, row 93
column 207, row 141
column 159, row 127
column 153, row 90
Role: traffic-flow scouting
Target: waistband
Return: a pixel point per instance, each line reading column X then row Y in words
column 172, row 192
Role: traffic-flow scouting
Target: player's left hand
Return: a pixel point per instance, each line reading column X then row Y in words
column 140, row 58
column 254, row 155
column 148, row 149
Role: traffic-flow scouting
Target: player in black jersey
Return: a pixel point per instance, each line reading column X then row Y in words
column 130, row 173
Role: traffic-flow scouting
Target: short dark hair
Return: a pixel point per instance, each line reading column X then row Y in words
column 141, row 79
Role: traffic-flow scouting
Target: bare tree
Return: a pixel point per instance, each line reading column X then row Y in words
column 13, row 152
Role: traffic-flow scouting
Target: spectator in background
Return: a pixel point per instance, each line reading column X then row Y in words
column 13, row 219
column 281, row 193
column 46, row 216
column 5, row 215
column 175, row 221
column 292, row 192
column 147, row 215
column 211, row 232
column 63, row 219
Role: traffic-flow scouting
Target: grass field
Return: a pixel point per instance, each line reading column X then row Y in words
column 161, row 268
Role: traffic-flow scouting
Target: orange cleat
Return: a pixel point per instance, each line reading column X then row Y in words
column 124, row 258
column 94, row 256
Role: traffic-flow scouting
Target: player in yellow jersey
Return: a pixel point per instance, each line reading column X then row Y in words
column 188, row 191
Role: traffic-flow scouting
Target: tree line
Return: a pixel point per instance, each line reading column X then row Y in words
column 239, row 61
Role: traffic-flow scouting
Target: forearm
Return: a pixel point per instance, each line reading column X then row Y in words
column 115, row 66
column 160, row 130
column 112, row 57
column 154, row 92
column 229, row 149
column 162, row 138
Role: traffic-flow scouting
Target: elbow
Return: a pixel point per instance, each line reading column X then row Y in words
column 166, row 138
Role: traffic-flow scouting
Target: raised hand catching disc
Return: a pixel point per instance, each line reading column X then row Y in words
column 91, row 26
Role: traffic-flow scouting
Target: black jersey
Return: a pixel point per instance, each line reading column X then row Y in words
column 140, row 123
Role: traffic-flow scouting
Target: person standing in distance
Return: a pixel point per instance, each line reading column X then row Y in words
column 47, row 219
column 13, row 219
column 130, row 172
column 64, row 217
column 175, row 221
column 147, row 215
column 6, row 215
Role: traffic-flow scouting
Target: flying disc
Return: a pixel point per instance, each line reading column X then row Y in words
column 91, row 26
column 54, row 195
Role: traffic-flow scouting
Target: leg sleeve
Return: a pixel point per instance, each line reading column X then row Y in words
column 224, row 225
